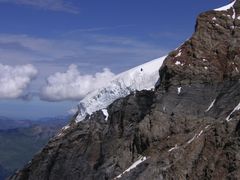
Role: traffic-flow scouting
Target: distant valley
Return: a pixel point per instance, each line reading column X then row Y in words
column 21, row 139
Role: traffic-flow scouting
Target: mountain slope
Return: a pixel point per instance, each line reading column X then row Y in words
column 141, row 77
column 187, row 128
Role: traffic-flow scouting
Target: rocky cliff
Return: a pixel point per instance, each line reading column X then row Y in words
column 187, row 128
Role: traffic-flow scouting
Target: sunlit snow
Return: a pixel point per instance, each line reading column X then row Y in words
column 236, row 69
column 134, row 165
column 66, row 127
column 234, row 13
column 179, row 89
column 179, row 53
column 191, row 140
column 235, row 109
column 225, row 8
column 105, row 113
column 139, row 78
column 174, row 148
column 211, row 105
column 177, row 62
column 200, row 134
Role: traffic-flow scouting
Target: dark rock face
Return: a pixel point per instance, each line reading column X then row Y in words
column 211, row 54
column 187, row 128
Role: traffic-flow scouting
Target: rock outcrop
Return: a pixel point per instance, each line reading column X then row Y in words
column 187, row 128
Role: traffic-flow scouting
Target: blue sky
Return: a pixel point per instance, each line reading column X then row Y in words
column 47, row 44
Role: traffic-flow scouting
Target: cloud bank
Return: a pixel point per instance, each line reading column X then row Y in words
column 71, row 85
column 53, row 5
column 15, row 79
column 90, row 52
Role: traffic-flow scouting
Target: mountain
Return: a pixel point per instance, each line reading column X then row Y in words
column 186, row 128
column 20, row 140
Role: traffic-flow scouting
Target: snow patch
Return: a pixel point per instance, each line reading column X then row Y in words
column 214, row 19
column 60, row 134
column 174, row 148
column 133, row 166
column 179, row 63
column 179, row 53
column 179, row 89
column 236, row 69
column 234, row 13
column 195, row 136
column 204, row 60
column 191, row 140
column 205, row 67
column 207, row 126
column 211, row 105
column 66, row 127
column 225, row 8
column 238, row 17
column 105, row 113
column 164, row 108
column 200, row 134
column 235, row 109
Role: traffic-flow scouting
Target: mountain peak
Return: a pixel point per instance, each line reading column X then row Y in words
column 211, row 54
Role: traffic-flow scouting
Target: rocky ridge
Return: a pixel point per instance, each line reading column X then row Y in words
column 187, row 128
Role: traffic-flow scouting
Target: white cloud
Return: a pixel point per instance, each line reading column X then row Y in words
column 15, row 79
column 91, row 52
column 73, row 110
column 53, row 5
column 71, row 85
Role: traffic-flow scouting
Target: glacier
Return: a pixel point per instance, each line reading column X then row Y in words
column 139, row 78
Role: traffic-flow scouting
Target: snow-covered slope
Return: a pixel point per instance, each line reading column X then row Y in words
column 141, row 77
column 225, row 8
